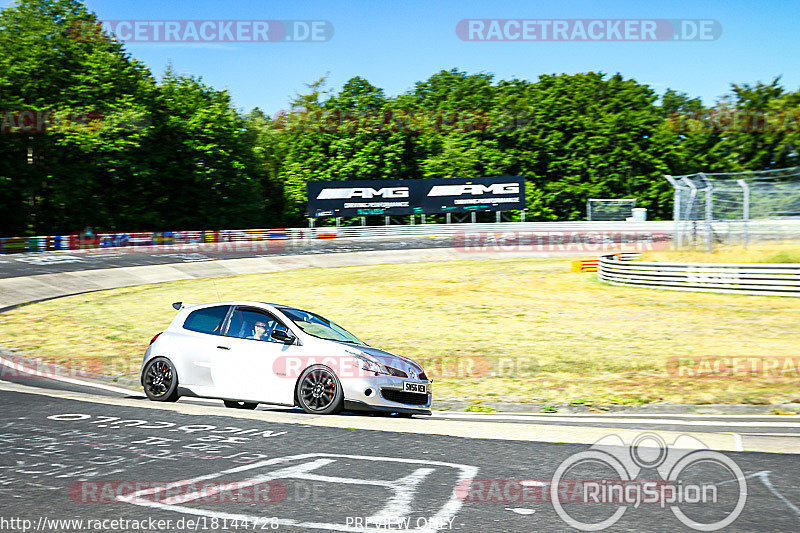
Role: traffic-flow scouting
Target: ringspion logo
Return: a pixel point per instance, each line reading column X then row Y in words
column 692, row 478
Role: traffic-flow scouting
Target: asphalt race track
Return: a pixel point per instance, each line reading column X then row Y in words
column 73, row 452
column 30, row 264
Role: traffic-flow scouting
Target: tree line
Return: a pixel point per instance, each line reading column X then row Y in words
column 90, row 137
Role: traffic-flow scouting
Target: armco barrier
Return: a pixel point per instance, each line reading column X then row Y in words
column 767, row 279
column 188, row 237
column 764, row 229
column 167, row 238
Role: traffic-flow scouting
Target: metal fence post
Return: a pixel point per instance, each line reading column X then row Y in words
column 709, row 210
column 745, row 210
column 676, row 212
column 689, row 212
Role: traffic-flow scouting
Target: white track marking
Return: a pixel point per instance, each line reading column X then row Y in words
column 466, row 474
column 26, row 370
column 288, row 472
column 237, row 469
column 737, row 438
column 521, row 510
column 614, row 420
column 764, row 477
column 462, row 414
column 400, row 504
column 750, row 434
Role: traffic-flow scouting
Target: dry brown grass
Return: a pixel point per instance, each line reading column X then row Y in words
column 788, row 252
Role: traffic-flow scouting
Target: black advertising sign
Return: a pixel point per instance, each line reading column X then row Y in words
column 408, row 197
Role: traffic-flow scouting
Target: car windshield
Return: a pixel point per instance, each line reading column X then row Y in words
column 317, row 326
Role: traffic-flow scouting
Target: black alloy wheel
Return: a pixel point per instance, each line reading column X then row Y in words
column 319, row 391
column 160, row 380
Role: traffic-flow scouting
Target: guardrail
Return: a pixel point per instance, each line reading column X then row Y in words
column 767, row 279
column 167, row 238
column 80, row 241
column 758, row 230
column 427, row 230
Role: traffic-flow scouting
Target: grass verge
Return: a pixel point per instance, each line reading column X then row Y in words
column 757, row 253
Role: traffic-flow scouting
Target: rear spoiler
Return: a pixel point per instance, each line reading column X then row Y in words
column 180, row 305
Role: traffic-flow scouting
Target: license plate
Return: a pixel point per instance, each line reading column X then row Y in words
column 420, row 388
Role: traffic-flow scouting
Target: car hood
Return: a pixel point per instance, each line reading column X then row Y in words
column 388, row 359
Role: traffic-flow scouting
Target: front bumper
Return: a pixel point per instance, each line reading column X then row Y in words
column 356, row 398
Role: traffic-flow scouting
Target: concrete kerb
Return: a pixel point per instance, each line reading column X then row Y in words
column 533, row 432
column 28, row 289
column 556, row 408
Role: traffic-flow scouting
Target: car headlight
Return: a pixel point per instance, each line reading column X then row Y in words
column 368, row 362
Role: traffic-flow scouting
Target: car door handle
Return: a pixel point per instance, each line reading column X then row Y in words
column 223, row 347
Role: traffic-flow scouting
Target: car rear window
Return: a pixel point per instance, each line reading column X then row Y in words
column 207, row 320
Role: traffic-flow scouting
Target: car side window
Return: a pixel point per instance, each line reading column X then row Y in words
column 207, row 320
column 253, row 324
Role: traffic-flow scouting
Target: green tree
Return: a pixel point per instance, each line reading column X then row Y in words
column 70, row 176
column 582, row 136
column 200, row 160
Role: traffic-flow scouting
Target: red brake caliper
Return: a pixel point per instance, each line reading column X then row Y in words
column 330, row 395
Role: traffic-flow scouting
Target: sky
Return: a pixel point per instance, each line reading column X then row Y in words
column 395, row 44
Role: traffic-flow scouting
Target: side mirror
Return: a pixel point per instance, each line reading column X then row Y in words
column 282, row 336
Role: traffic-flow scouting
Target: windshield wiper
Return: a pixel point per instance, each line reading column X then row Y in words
column 352, row 342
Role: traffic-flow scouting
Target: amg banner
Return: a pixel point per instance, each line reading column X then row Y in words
column 408, row 197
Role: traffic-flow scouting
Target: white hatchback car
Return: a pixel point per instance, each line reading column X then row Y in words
column 246, row 353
